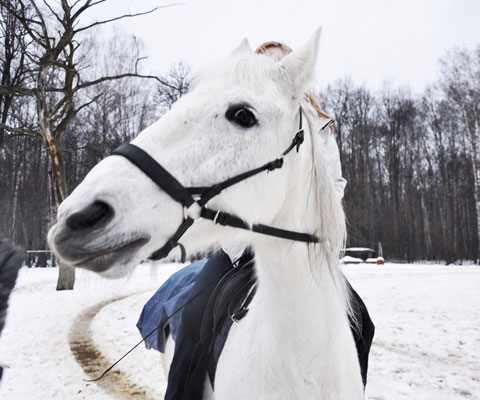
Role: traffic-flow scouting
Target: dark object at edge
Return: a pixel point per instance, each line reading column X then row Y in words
column 11, row 259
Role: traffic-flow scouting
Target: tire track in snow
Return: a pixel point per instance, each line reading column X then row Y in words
column 93, row 362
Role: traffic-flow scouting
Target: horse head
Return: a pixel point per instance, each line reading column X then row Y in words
column 240, row 115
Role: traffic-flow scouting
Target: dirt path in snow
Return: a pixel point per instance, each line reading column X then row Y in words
column 94, row 362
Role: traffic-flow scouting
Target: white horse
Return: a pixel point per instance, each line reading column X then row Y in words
column 295, row 342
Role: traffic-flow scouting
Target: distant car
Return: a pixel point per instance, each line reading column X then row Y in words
column 360, row 255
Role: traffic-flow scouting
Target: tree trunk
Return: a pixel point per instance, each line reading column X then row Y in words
column 476, row 193
column 57, row 171
column 426, row 227
column 66, row 273
column 474, row 158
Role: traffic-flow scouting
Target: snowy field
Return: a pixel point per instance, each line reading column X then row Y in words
column 426, row 347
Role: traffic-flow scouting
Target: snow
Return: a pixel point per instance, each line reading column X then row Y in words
column 35, row 343
column 352, row 260
column 426, row 345
column 427, row 333
column 358, row 249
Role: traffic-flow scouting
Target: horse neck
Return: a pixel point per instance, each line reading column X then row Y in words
column 298, row 278
column 296, row 281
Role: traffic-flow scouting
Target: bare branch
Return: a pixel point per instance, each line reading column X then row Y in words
column 137, row 61
column 97, row 2
column 88, row 103
column 28, row 54
column 121, row 76
column 63, row 125
column 53, row 11
column 55, row 112
column 43, row 25
column 19, row 131
column 124, row 16
column 78, row 1
column 20, row 91
column 16, row 91
column 23, row 20
column 81, row 9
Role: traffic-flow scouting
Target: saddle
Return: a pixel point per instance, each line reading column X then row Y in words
column 227, row 303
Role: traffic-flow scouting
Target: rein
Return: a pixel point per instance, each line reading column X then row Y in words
column 234, row 315
column 194, row 199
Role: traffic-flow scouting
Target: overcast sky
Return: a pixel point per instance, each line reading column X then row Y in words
column 367, row 40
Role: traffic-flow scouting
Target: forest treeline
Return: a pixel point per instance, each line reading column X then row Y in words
column 411, row 160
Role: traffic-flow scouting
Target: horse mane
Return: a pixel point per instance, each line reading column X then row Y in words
column 330, row 221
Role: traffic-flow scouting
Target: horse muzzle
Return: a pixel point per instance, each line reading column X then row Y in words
column 83, row 239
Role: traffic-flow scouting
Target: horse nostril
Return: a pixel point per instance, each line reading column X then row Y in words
column 90, row 217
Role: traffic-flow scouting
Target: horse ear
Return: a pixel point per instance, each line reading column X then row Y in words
column 242, row 49
column 297, row 68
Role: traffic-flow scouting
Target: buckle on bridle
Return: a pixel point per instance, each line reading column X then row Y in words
column 275, row 164
column 299, row 138
column 193, row 211
column 216, row 217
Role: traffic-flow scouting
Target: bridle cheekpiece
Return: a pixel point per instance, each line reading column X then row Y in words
column 194, row 199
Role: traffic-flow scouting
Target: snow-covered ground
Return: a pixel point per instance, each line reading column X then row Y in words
column 426, row 347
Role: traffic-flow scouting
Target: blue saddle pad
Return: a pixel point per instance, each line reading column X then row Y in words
column 164, row 304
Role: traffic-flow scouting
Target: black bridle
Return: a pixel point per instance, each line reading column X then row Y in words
column 195, row 199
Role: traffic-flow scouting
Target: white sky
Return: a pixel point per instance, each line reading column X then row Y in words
column 367, row 40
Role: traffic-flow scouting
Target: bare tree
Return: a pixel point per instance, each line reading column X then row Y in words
column 460, row 83
column 56, row 80
column 180, row 81
column 14, row 66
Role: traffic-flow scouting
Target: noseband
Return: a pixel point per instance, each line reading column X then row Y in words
column 194, row 199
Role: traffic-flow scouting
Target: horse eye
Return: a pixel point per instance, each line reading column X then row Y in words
column 241, row 116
